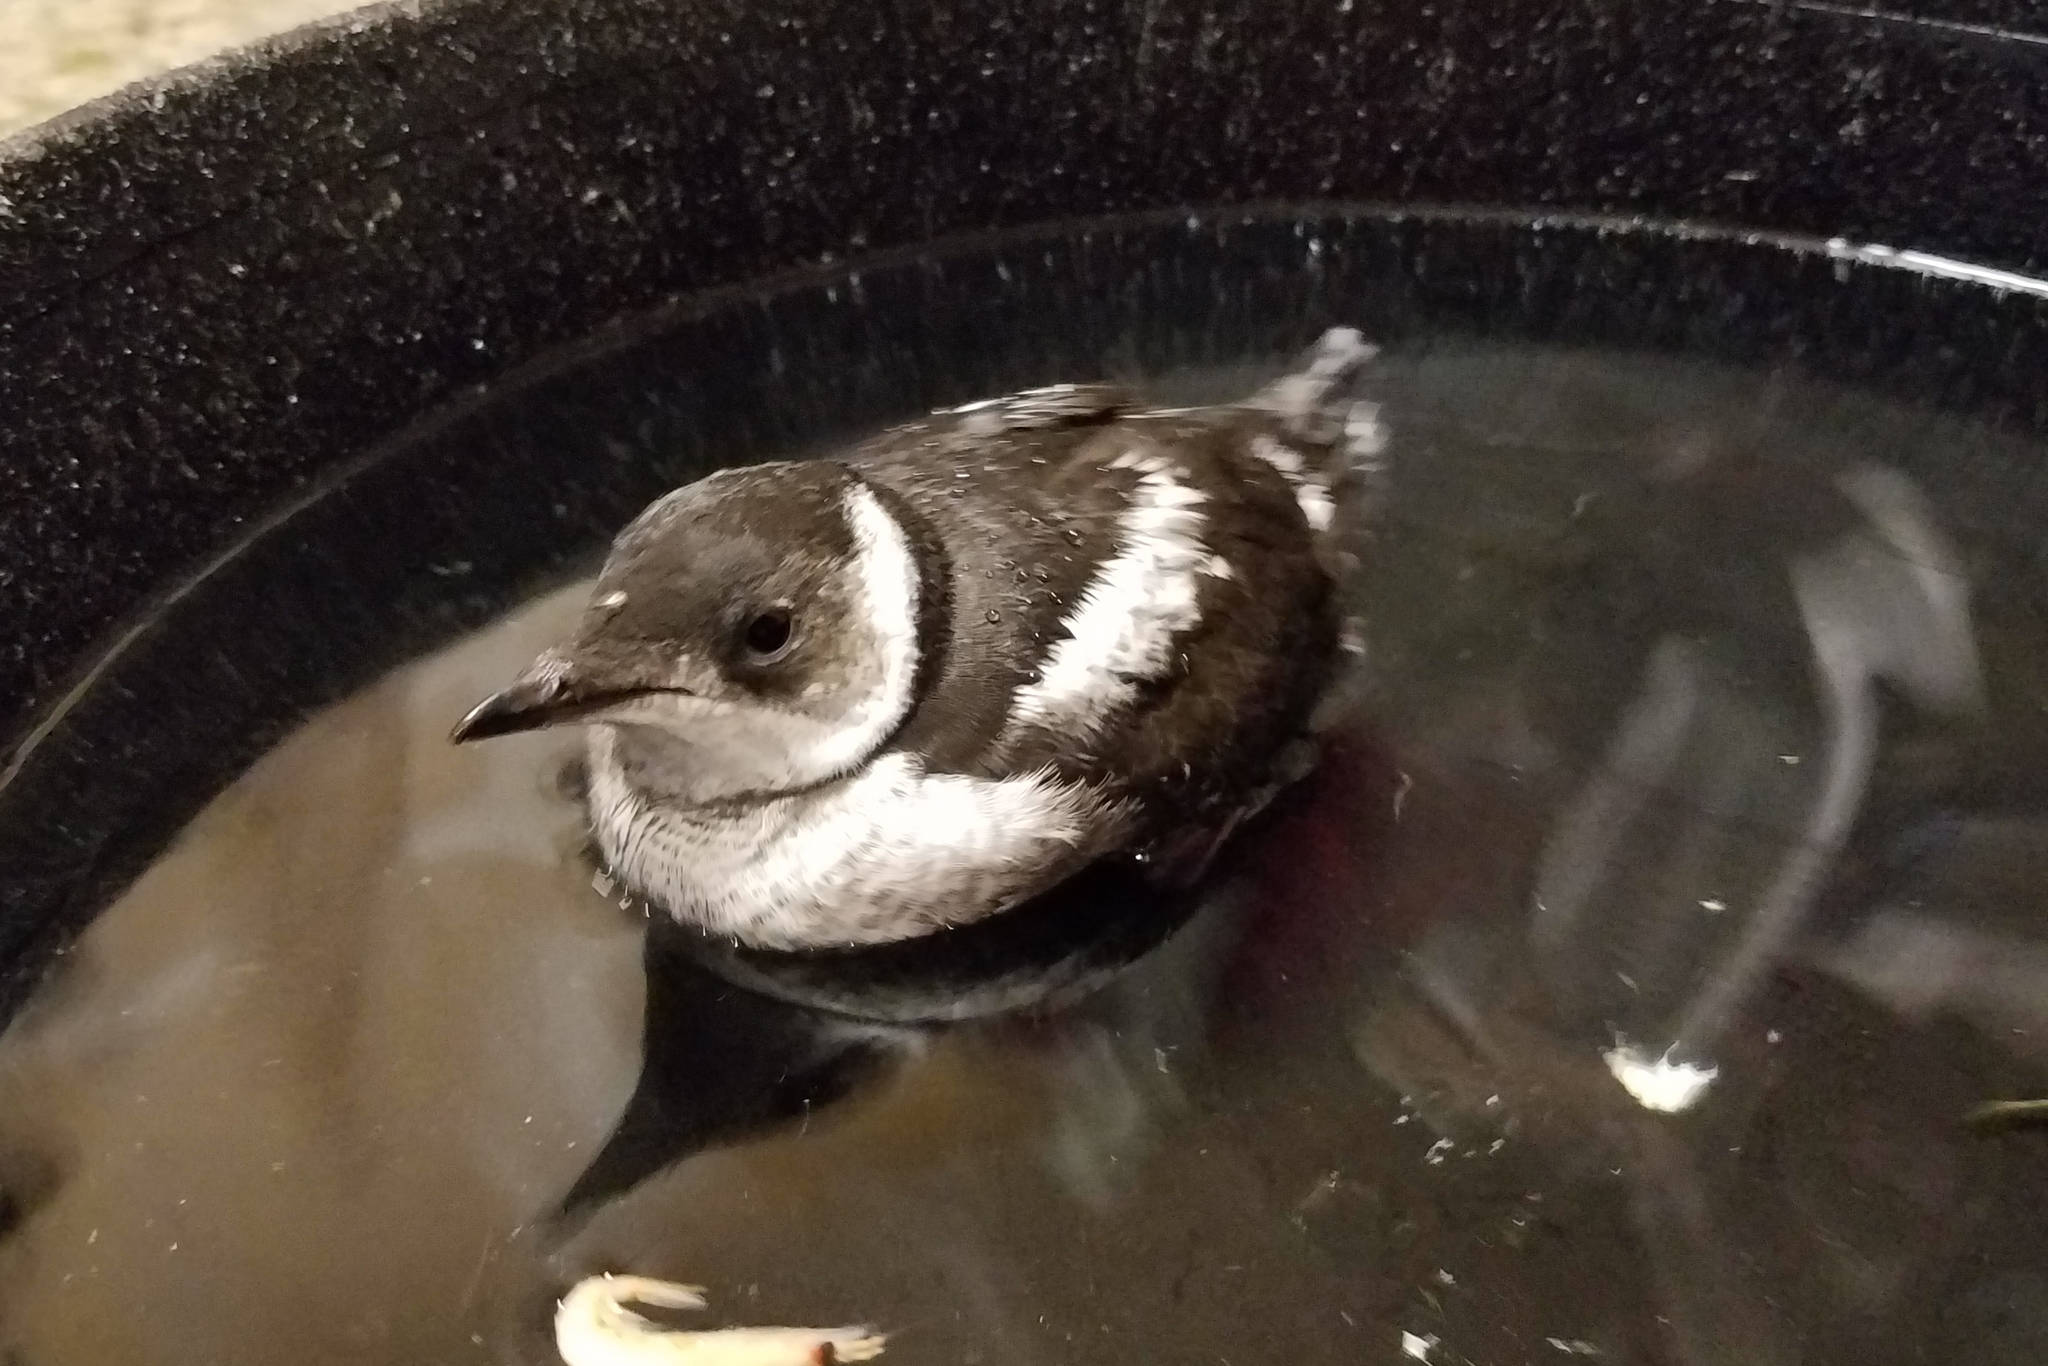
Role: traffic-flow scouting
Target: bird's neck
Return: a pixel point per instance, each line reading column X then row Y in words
column 715, row 768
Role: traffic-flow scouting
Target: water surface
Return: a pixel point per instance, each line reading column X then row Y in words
column 1662, row 651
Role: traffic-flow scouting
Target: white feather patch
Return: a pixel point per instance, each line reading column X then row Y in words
column 884, row 598
column 890, row 851
column 1365, row 436
column 1311, row 493
column 1283, row 458
column 1317, row 506
column 1124, row 628
column 1658, row 1083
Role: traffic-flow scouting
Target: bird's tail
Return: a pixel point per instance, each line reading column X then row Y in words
column 1321, row 403
column 1328, row 440
column 1333, row 430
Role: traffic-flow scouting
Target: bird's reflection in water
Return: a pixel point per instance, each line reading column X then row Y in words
column 1716, row 846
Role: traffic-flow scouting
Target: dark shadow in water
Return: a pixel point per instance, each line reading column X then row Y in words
column 736, row 1041
column 719, row 1064
column 1046, row 953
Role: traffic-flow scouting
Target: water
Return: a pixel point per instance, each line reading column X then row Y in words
column 344, row 1018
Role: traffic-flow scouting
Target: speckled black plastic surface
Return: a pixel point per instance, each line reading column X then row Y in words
column 219, row 294
column 216, row 290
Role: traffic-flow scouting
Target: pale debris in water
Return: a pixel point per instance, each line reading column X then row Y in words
column 1413, row 1345
column 593, row 1327
column 1658, row 1083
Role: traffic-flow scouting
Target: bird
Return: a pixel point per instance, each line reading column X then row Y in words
column 884, row 692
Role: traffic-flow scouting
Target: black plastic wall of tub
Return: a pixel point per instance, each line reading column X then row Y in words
column 215, row 289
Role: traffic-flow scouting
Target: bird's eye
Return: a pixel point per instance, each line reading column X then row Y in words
column 768, row 632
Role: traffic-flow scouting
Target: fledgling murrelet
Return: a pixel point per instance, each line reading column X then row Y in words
column 845, row 701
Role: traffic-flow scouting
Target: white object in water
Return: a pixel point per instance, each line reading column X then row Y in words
column 1417, row 1346
column 1658, row 1083
column 593, row 1327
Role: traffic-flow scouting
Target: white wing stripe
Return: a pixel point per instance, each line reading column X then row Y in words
column 1123, row 630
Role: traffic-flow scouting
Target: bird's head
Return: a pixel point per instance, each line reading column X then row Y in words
column 752, row 633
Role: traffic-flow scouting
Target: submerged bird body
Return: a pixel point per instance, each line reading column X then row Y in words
column 853, row 700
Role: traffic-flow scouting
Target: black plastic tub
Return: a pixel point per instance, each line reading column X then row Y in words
column 319, row 358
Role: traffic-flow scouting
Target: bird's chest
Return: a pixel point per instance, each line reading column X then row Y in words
column 892, row 851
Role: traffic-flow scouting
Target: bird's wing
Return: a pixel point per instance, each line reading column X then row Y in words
column 1033, row 410
column 1137, row 600
column 1203, row 633
column 1008, row 525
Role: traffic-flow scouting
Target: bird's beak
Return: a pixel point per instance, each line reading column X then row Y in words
column 548, row 694
column 528, row 704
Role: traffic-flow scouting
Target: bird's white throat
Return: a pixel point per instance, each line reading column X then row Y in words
column 882, row 853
